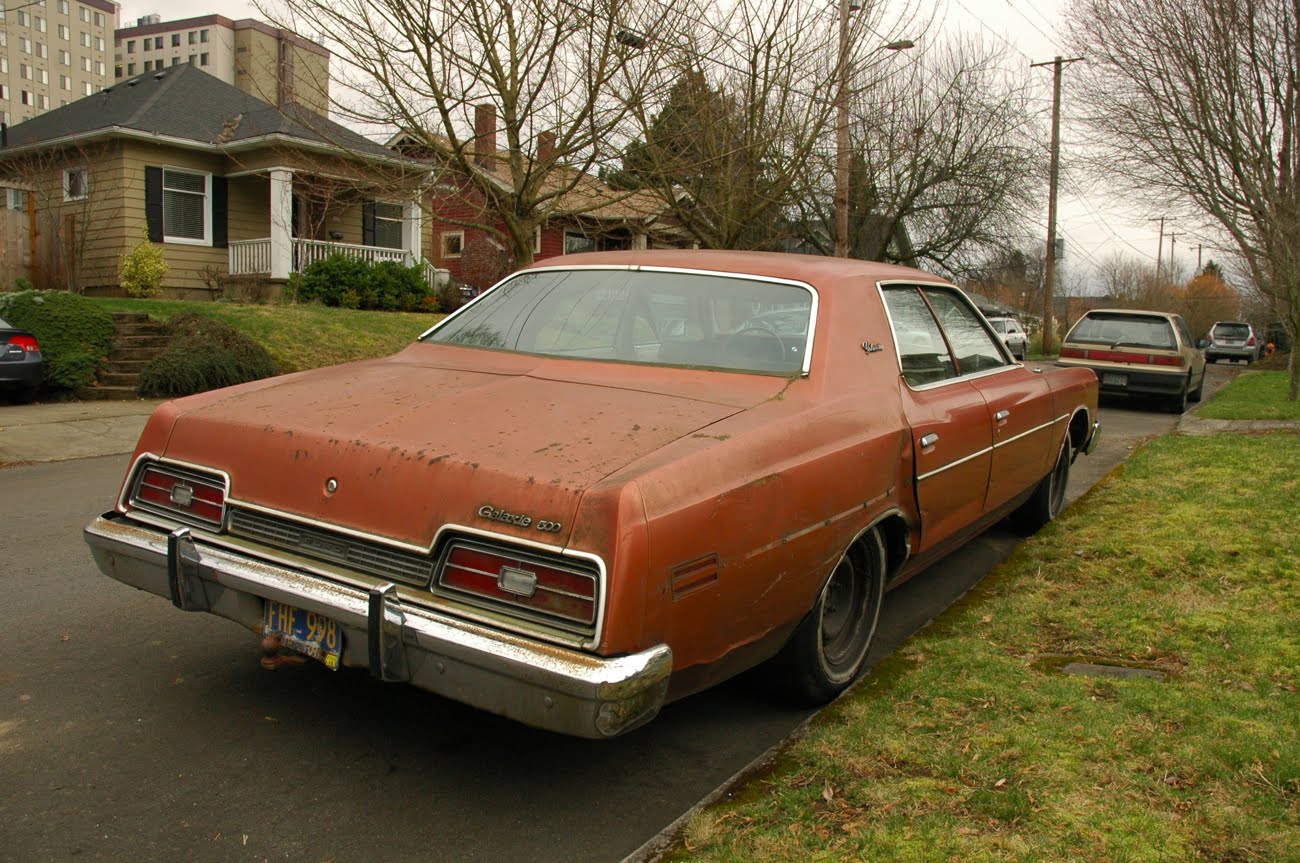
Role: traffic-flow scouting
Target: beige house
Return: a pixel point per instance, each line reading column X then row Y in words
column 224, row 183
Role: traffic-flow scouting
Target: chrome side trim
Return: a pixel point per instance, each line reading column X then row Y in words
column 953, row 464
column 1035, row 430
column 530, row 681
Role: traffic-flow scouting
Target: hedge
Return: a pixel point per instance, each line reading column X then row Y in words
column 75, row 334
column 350, row 283
column 203, row 354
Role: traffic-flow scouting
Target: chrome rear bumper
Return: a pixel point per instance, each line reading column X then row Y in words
column 539, row 684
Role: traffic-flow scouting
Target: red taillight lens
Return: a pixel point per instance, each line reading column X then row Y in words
column 27, row 343
column 189, row 496
column 1250, row 342
column 554, row 589
column 1155, row 360
column 1072, row 353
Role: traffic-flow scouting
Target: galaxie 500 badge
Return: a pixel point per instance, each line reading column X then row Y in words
column 505, row 517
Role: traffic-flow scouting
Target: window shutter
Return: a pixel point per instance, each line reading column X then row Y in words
column 368, row 223
column 219, row 212
column 153, row 208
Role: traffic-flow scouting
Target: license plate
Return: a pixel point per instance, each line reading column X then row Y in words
column 1114, row 379
column 307, row 632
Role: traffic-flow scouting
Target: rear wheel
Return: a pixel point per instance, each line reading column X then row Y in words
column 1048, row 498
column 1195, row 395
column 829, row 648
column 1178, row 403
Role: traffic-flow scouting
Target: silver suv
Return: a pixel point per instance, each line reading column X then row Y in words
column 1013, row 334
column 1232, row 340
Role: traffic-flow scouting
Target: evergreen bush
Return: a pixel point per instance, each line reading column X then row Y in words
column 350, row 283
column 204, row 354
column 75, row 333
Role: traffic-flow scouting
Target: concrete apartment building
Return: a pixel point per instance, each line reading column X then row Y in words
column 53, row 52
column 274, row 65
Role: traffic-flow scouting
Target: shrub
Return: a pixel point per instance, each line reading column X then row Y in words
column 75, row 333
column 340, row 280
column 203, row 354
column 142, row 269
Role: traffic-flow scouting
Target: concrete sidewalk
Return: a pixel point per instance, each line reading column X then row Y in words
column 64, row 430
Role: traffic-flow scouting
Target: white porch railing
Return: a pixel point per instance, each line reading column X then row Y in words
column 253, row 257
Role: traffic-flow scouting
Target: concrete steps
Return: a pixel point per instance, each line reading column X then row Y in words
column 136, row 341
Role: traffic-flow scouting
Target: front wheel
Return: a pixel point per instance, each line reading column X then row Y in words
column 1048, row 498
column 829, row 648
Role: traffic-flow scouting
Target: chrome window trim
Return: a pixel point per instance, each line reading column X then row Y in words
column 689, row 271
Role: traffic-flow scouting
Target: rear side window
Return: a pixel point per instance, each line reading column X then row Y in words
column 1134, row 331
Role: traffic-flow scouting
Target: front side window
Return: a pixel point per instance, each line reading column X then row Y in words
column 186, row 206
column 651, row 317
column 76, row 186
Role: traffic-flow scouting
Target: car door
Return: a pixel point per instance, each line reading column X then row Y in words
column 1019, row 400
column 949, row 422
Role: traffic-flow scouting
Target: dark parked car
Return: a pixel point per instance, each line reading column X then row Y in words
column 1232, row 340
column 21, row 367
column 610, row 481
column 1138, row 353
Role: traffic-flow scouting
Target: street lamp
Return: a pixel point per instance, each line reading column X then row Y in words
column 842, row 126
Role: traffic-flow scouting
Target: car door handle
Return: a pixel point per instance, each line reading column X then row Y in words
column 1001, row 415
column 929, row 440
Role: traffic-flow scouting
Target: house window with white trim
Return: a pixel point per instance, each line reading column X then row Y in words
column 16, row 199
column 187, row 206
column 575, row 242
column 76, row 183
column 537, row 240
column 452, row 243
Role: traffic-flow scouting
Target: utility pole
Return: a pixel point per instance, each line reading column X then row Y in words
column 1049, row 274
column 1160, row 244
column 1198, row 258
column 1173, row 238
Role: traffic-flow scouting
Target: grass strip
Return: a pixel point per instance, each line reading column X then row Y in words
column 300, row 337
column 970, row 744
column 1253, row 396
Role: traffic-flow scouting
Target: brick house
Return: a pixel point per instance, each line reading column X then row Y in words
column 591, row 216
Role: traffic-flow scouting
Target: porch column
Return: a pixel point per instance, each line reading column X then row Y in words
column 412, row 222
column 281, row 223
column 639, row 240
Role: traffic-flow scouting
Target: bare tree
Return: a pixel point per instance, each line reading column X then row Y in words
column 948, row 160
column 560, row 76
column 1195, row 105
column 752, row 97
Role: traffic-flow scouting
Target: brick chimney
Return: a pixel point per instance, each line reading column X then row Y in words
column 485, row 133
column 545, row 146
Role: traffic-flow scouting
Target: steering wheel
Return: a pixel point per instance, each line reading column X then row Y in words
column 757, row 343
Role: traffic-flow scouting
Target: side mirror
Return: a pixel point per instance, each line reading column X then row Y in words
column 1203, row 344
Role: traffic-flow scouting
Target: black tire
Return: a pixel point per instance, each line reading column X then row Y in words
column 1048, row 498
column 1178, row 404
column 827, row 651
column 22, row 395
column 1195, row 395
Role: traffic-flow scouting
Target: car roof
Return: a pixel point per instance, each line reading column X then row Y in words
column 781, row 265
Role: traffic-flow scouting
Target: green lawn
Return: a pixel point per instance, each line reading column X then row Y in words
column 970, row 744
column 1253, row 396
column 300, row 336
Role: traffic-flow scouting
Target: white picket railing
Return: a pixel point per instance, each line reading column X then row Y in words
column 253, row 257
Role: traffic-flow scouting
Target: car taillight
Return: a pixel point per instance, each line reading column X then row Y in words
column 187, row 495
column 1163, row 360
column 1250, row 342
column 554, row 590
column 1072, row 353
column 27, row 343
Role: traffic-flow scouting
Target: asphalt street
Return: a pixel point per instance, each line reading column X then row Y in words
column 132, row 731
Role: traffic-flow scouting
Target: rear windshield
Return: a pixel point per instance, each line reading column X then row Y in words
column 1231, row 331
column 1135, row 331
column 642, row 316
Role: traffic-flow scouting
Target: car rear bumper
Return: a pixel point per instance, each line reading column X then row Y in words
column 24, row 373
column 1215, row 352
column 539, row 684
column 1135, row 381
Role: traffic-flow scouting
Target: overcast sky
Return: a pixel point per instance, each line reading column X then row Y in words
column 1094, row 227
